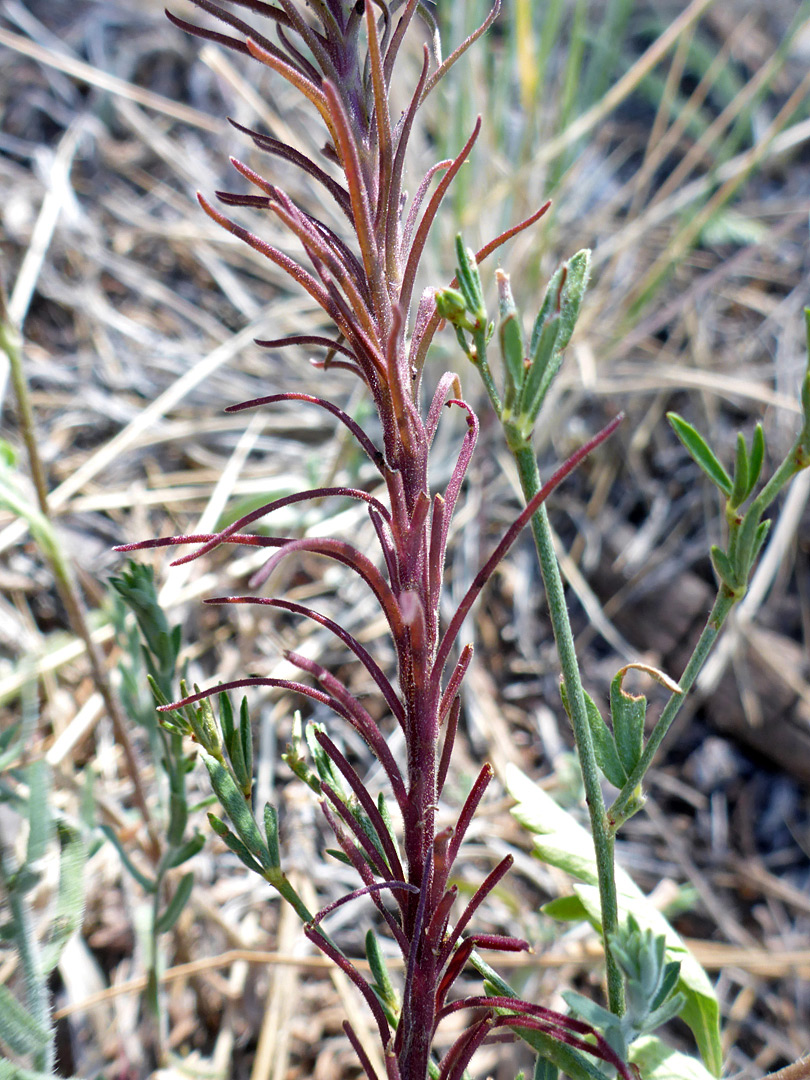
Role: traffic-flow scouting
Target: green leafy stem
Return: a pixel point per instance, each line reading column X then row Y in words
column 528, row 369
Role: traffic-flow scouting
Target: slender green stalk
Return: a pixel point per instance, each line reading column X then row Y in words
column 602, row 836
column 63, row 576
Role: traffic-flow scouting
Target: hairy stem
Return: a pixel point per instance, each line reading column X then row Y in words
column 602, row 838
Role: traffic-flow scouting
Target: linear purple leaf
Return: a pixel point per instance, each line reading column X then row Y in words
column 478, row 897
column 361, row 793
column 344, row 553
column 357, row 1046
column 360, row 720
column 447, row 746
column 295, row 157
column 349, row 969
column 509, row 538
column 457, row 53
column 474, row 797
column 278, row 504
column 448, row 384
column 356, row 858
column 248, row 540
column 421, row 235
column 362, row 654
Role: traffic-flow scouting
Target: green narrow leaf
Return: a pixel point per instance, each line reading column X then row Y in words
column 238, row 810
column 178, row 813
column 511, row 339
column 176, row 904
column 18, row 1029
column 722, row 566
column 271, row 832
column 145, row 882
column 759, row 538
column 341, row 856
column 469, row 282
column 67, row 915
column 607, row 757
column 39, row 817
column 379, row 971
column 226, row 718
column 755, row 458
column 576, row 282
column 672, row 973
column 596, row 1015
column 700, row 452
column 323, row 763
column 187, row 851
column 544, row 363
column 551, row 304
column 545, row 1070
column 565, row 908
column 606, row 751
column 234, row 843
column 237, row 760
column 205, row 725
column 741, row 486
column 627, row 713
column 246, row 738
column 385, row 814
